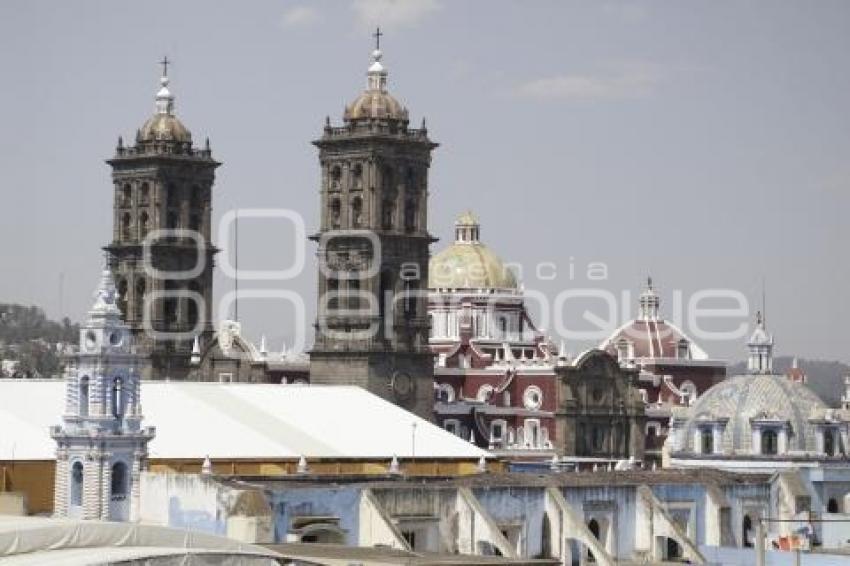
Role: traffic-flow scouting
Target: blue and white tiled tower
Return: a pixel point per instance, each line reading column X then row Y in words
column 101, row 446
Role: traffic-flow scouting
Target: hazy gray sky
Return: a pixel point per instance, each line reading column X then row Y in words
column 706, row 143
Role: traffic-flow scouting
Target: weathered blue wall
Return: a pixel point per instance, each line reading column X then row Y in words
column 517, row 504
column 340, row 502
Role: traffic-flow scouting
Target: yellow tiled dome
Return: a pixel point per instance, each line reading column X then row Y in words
column 469, row 264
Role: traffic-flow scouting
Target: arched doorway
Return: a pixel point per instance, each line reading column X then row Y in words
column 76, row 485
column 119, row 508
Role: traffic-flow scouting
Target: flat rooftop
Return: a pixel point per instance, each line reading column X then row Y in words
column 511, row 479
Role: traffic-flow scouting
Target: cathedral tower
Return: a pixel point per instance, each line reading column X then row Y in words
column 101, row 446
column 372, row 326
column 161, row 249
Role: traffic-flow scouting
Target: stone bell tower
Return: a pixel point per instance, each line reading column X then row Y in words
column 162, row 252
column 372, row 325
column 101, row 447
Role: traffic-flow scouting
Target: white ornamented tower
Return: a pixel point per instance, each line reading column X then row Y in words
column 101, row 447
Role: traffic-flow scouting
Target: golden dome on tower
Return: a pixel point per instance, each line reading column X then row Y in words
column 164, row 125
column 375, row 102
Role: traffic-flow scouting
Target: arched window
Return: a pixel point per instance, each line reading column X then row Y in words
column 356, row 212
column 122, row 297
column 125, row 226
column 769, row 442
column 706, row 436
column 336, row 175
column 832, row 506
column 357, row 173
column 386, row 294
column 119, row 481
column 829, row 442
column 77, row 484
column 445, row 393
column 127, row 195
column 144, row 225
column 83, row 401
column 336, row 210
column 117, row 398
column 387, row 213
column 144, row 194
column 410, row 214
column 683, row 350
column 140, row 299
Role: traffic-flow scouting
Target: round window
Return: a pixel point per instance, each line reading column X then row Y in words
column 116, row 338
column 532, row 398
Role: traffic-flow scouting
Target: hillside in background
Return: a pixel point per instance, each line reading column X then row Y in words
column 28, row 337
column 824, row 378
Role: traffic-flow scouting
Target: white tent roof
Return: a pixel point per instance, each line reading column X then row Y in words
column 239, row 421
column 26, row 541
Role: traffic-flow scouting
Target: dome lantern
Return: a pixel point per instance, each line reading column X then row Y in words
column 649, row 302
column 376, row 103
column 760, row 346
column 467, row 229
column 469, row 264
column 164, row 125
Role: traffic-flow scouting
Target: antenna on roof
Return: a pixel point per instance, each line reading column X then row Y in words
column 236, row 265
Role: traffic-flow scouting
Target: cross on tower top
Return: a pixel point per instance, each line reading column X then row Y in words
column 164, row 64
column 377, row 35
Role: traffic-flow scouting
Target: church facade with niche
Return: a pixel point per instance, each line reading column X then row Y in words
column 600, row 410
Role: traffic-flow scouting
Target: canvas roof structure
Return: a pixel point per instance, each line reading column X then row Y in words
column 240, row 421
column 62, row 542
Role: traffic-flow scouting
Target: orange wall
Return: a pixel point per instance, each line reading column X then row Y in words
column 35, row 478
